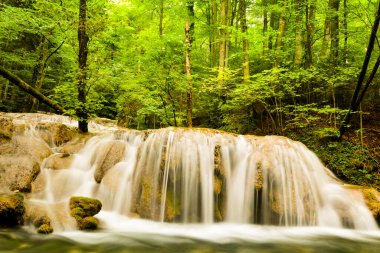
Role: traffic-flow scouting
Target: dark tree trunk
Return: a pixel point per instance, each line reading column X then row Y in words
column 310, row 30
column 334, row 51
column 83, row 39
column 189, row 33
column 355, row 101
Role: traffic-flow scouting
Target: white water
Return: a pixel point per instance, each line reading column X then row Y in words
column 203, row 176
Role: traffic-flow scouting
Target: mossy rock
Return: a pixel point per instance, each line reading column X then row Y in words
column 78, row 213
column 88, row 223
column 89, row 206
column 371, row 197
column 12, row 209
column 45, row 229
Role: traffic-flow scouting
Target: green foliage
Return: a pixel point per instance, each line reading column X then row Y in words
column 350, row 162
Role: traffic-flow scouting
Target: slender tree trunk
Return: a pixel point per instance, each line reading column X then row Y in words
column 345, row 31
column 188, row 77
column 299, row 32
column 327, row 30
column 281, row 31
column 160, row 26
column 334, row 51
column 214, row 34
column 189, row 32
column 282, row 26
column 243, row 24
column 83, row 39
column 354, row 101
column 273, row 23
column 30, row 90
column 310, row 30
column 222, row 42
column 38, row 73
column 265, row 26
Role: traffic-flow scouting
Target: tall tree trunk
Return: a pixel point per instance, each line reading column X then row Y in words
column 334, row 51
column 282, row 25
column 83, row 39
column 189, row 32
column 273, row 23
column 265, row 25
column 281, row 31
column 214, row 34
column 160, row 26
column 298, row 52
column 354, row 101
column 327, row 30
column 310, row 30
column 243, row 24
column 345, row 31
column 223, row 41
column 30, row 90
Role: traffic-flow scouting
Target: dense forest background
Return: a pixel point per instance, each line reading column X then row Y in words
column 287, row 67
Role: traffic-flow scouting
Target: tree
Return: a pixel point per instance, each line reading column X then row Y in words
column 83, row 39
column 243, row 25
column 189, row 31
column 355, row 102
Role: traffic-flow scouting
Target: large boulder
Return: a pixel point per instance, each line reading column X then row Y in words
column 20, row 161
column 59, row 161
column 12, row 209
column 111, row 153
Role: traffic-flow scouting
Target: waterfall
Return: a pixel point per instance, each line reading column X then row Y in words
column 205, row 176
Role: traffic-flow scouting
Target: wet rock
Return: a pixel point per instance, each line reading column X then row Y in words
column 88, row 223
column 89, row 206
column 6, row 129
column 56, row 133
column 20, row 161
column 45, row 229
column 75, row 145
column 372, row 200
column 111, row 154
column 38, row 216
column 59, row 161
column 12, row 209
column 83, row 209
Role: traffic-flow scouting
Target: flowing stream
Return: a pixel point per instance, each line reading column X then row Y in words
column 198, row 190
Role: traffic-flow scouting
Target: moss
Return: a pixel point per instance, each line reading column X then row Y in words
column 89, row 206
column 77, row 213
column 12, row 209
column 45, row 229
column 372, row 202
column 88, row 223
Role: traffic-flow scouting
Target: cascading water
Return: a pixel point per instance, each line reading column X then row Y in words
column 202, row 176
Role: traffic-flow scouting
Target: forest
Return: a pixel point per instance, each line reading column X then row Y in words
column 305, row 69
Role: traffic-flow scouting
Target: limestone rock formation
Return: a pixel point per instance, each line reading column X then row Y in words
column 20, row 161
